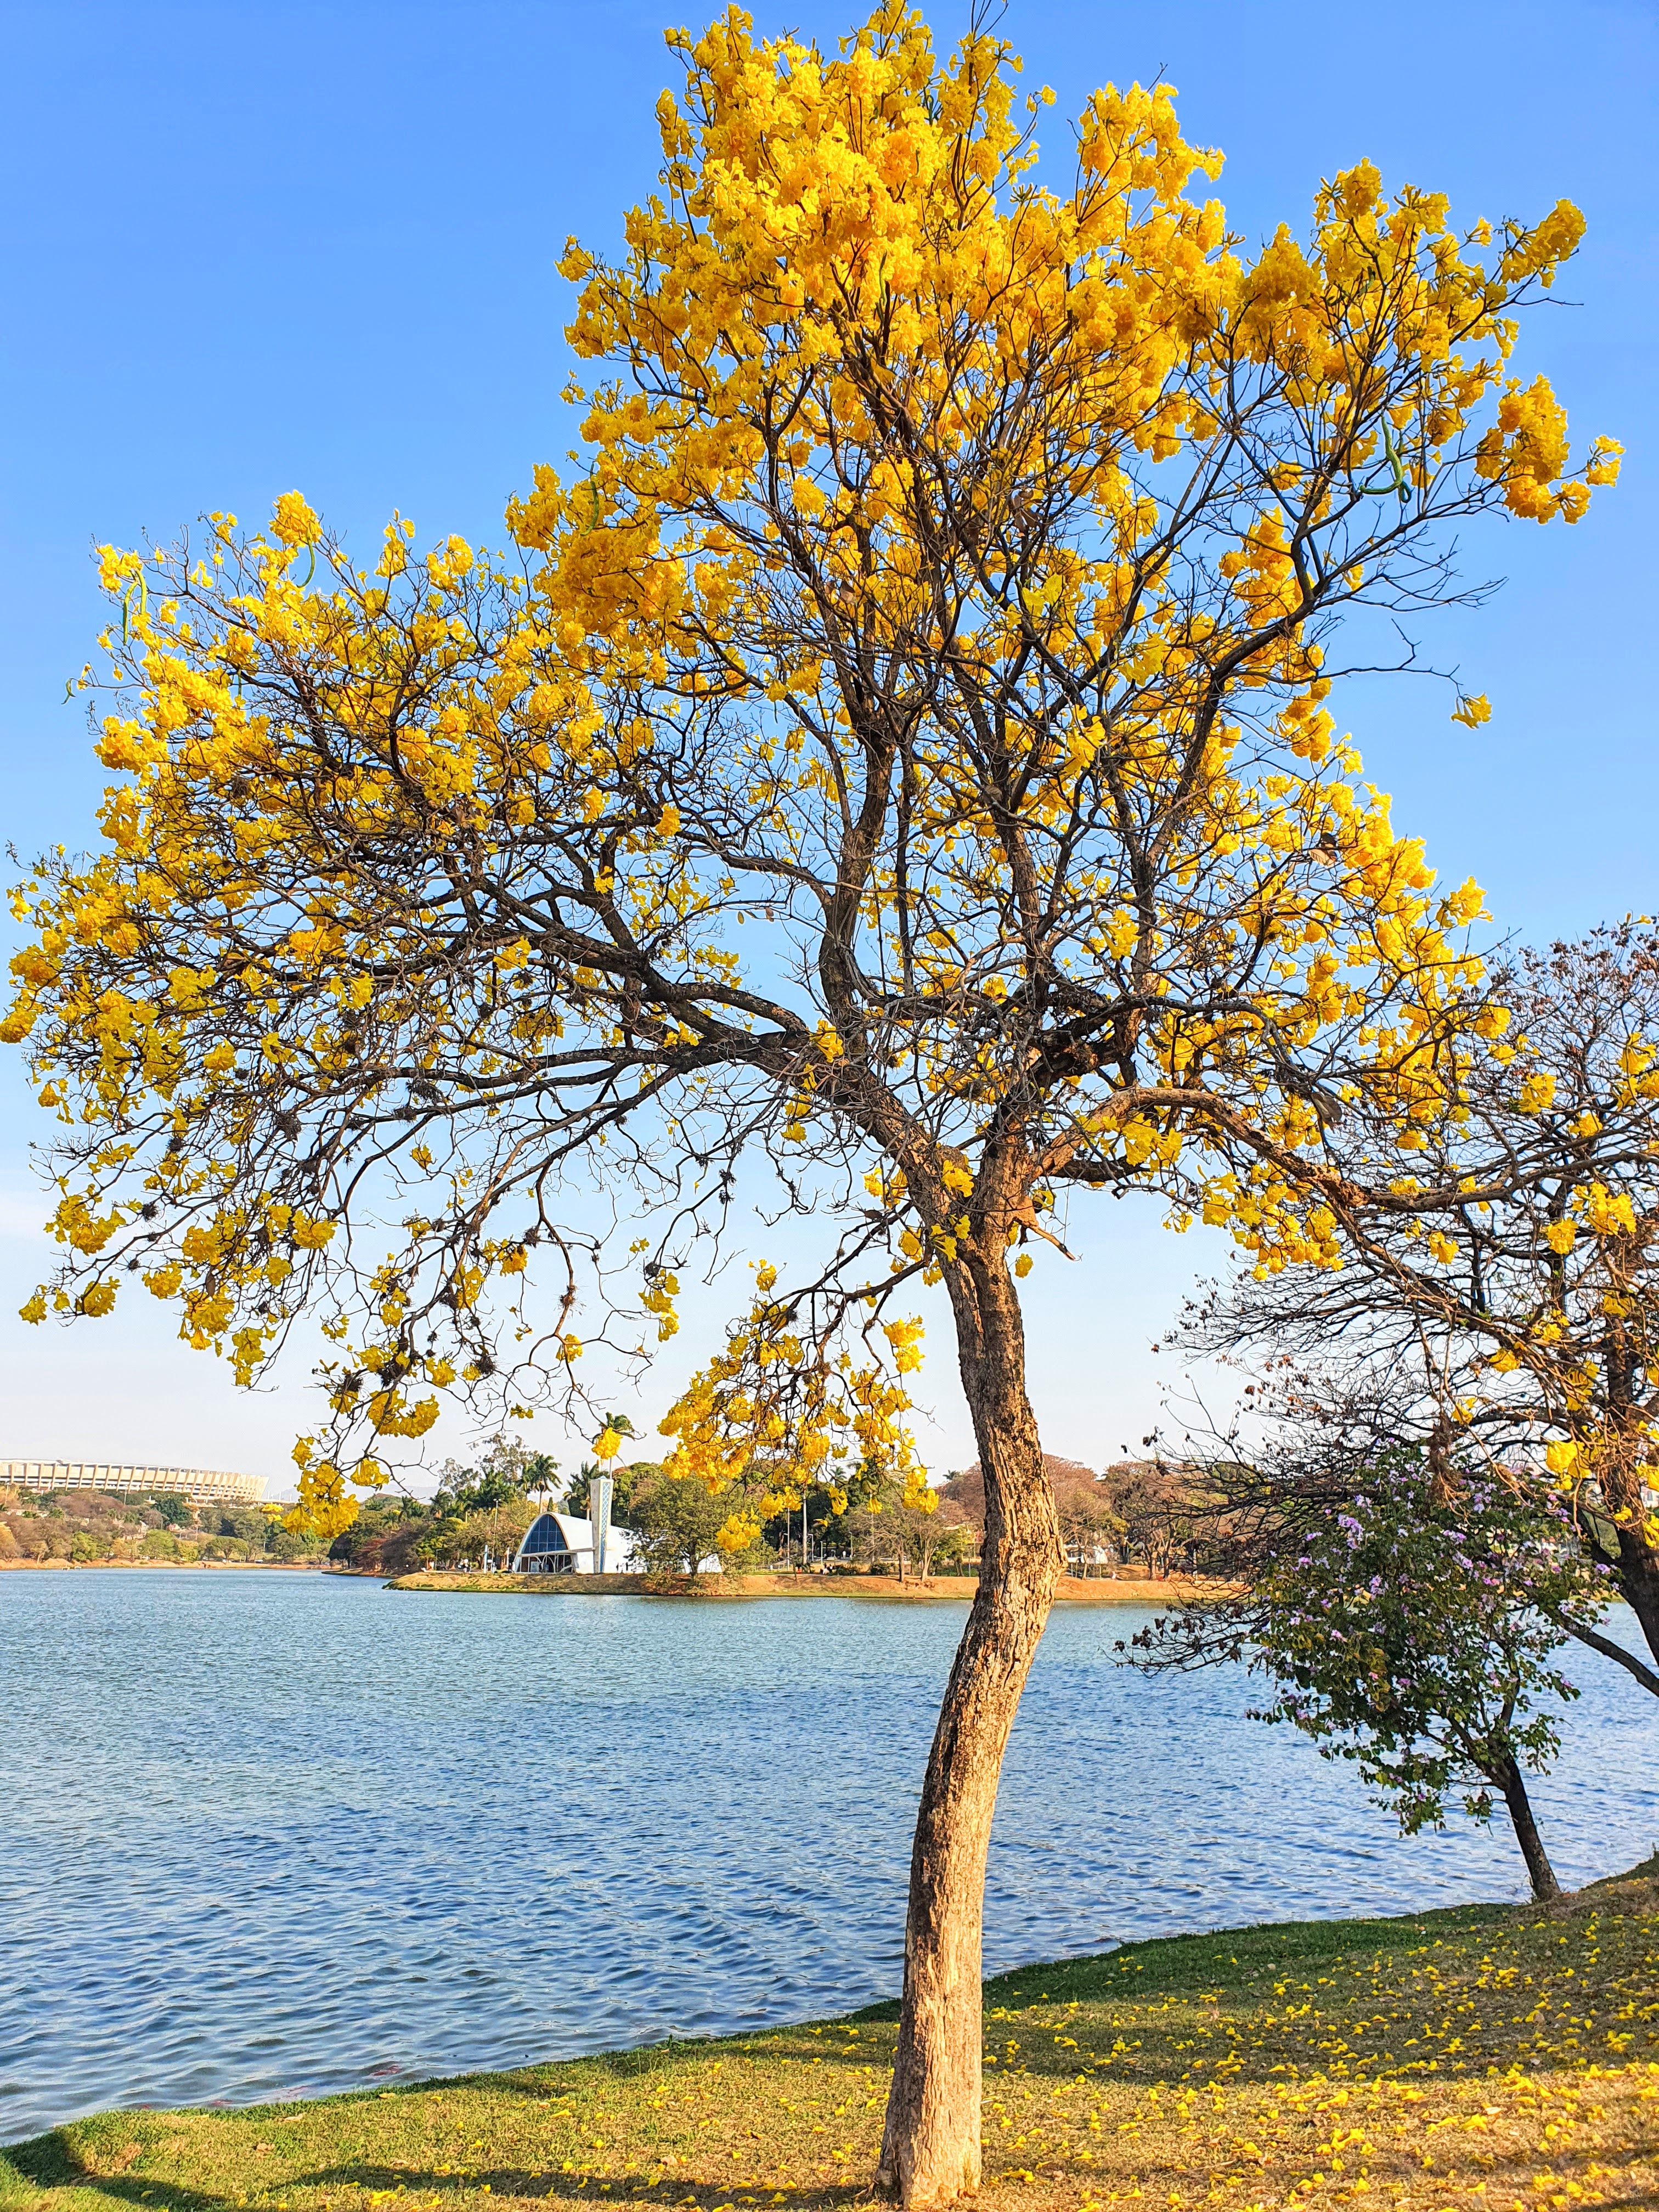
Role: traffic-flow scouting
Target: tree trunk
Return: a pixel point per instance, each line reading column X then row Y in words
column 1605, row 1645
column 1637, row 1568
column 1635, row 1531
column 930, row 2144
column 1640, row 1587
column 1542, row 1873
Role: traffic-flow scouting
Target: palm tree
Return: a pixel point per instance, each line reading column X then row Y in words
column 541, row 1474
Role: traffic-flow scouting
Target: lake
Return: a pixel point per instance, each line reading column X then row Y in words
column 275, row 1834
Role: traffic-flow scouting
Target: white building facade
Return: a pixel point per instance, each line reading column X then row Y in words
column 564, row 1544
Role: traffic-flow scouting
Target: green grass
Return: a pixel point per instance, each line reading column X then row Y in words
column 1485, row 2058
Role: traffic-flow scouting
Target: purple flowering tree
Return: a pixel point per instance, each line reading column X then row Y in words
column 1407, row 1621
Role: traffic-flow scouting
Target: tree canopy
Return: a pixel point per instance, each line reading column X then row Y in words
column 1507, row 1312
column 902, row 752
column 1408, row 1606
column 947, row 584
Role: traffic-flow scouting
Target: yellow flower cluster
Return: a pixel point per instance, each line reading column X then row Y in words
column 774, row 1412
column 866, row 621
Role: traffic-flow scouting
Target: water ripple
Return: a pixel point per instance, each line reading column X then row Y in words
column 275, row 1834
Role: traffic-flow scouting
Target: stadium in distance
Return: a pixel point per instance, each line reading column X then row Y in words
column 200, row 1486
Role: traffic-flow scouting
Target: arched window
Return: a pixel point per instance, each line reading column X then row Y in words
column 543, row 1550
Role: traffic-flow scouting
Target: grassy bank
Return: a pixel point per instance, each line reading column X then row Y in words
column 1072, row 1590
column 1488, row 2057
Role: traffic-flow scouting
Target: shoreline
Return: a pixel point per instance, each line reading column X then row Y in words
column 725, row 1590
column 1170, row 2070
column 173, row 1566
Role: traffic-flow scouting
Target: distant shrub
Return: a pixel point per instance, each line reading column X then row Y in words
column 282, row 1543
column 675, row 1523
column 245, row 1523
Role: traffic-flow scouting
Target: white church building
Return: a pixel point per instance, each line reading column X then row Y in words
column 565, row 1544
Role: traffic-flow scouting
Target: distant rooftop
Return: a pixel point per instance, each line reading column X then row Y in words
column 200, row 1484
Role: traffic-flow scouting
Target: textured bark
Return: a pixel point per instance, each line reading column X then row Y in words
column 1605, row 1645
column 1640, row 1588
column 1539, row 1869
column 931, row 2145
column 1634, row 1553
column 1638, row 1567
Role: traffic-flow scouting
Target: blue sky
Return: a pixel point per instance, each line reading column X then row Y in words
column 252, row 245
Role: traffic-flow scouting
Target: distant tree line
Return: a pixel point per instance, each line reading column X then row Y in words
column 1138, row 1517
column 87, row 1527
column 1148, row 1516
column 1152, row 1519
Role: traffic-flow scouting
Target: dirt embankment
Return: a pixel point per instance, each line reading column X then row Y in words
column 216, row 1566
column 723, row 1588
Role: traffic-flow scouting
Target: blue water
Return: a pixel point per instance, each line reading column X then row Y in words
column 271, row 1834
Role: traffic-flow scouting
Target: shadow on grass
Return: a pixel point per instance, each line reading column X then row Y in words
column 1186, row 2003
column 580, row 2189
column 1173, row 1966
column 52, row 2161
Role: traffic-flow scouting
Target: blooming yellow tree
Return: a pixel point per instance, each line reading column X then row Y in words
column 904, row 755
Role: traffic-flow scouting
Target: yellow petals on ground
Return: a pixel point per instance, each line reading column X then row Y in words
column 1481, row 2057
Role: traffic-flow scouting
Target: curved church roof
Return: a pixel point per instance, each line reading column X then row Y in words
column 569, row 1536
column 545, row 1534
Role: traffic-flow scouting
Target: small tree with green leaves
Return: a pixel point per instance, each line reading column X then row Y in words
column 1405, row 1621
column 676, row 1525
